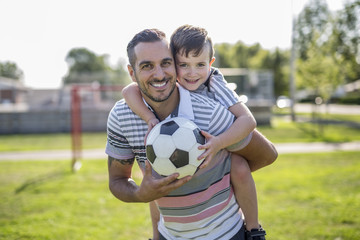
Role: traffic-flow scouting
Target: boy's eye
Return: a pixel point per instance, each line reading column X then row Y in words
column 183, row 65
column 201, row 65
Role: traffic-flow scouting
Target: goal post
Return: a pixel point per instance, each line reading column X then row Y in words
column 76, row 120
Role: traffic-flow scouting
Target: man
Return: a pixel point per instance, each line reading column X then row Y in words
column 202, row 206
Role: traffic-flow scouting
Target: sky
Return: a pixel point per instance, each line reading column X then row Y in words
column 38, row 34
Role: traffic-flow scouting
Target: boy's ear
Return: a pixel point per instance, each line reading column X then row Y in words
column 212, row 61
column 131, row 72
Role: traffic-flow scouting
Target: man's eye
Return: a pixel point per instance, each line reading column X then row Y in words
column 146, row 67
column 166, row 64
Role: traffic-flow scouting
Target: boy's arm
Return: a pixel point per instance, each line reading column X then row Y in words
column 133, row 98
column 244, row 124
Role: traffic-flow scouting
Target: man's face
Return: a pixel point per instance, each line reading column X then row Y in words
column 154, row 70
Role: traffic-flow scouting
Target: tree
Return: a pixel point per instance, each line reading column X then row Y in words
column 319, row 68
column 87, row 67
column 313, row 19
column 345, row 40
column 11, row 70
column 240, row 55
column 319, row 72
column 223, row 55
column 119, row 74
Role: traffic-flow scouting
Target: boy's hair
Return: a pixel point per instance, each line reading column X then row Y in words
column 188, row 39
column 147, row 35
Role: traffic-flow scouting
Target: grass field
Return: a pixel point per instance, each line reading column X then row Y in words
column 301, row 197
column 278, row 132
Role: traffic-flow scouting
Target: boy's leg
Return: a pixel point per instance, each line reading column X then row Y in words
column 259, row 153
column 155, row 218
column 245, row 190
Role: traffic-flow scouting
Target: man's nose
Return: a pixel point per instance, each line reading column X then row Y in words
column 159, row 73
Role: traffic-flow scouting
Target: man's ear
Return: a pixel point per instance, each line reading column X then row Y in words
column 131, row 72
column 212, row 61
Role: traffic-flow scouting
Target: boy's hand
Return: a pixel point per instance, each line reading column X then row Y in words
column 151, row 123
column 212, row 147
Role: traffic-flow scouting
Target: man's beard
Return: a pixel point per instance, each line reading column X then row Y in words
column 152, row 98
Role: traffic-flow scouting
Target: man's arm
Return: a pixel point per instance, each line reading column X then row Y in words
column 124, row 188
column 260, row 152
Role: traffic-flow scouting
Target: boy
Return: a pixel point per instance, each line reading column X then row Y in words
column 194, row 55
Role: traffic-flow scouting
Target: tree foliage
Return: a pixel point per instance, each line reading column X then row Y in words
column 254, row 56
column 11, row 70
column 345, row 40
column 87, row 67
column 327, row 46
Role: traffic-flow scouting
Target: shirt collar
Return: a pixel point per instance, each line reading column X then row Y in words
column 185, row 105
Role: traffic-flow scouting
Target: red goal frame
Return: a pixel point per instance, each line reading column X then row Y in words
column 76, row 126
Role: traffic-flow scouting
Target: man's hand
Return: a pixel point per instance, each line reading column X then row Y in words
column 151, row 189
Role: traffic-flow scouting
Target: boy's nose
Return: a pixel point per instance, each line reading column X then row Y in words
column 192, row 71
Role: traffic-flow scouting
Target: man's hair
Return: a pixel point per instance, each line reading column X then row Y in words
column 147, row 35
column 188, row 39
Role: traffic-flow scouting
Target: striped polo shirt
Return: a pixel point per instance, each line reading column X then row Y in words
column 203, row 208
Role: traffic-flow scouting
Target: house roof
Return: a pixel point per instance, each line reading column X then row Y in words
column 8, row 84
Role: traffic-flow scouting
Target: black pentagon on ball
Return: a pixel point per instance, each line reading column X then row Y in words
column 169, row 128
column 150, row 154
column 199, row 137
column 179, row 158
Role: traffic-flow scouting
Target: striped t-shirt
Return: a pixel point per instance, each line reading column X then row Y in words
column 203, row 208
column 216, row 87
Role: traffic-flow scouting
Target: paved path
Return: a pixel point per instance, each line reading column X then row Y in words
column 283, row 148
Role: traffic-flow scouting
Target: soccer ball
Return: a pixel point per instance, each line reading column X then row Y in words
column 172, row 146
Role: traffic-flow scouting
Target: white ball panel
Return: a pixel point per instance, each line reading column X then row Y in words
column 194, row 153
column 163, row 146
column 153, row 134
column 164, row 166
column 184, row 139
column 186, row 171
column 186, row 123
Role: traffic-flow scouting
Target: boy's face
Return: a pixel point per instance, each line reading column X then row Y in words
column 192, row 71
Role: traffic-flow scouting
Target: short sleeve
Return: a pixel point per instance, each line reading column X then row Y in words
column 117, row 145
column 222, row 93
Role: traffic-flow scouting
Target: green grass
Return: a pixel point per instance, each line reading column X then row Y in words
column 30, row 142
column 44, row 200
column 311, row 196
column 280, row 131
column 301, row 196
